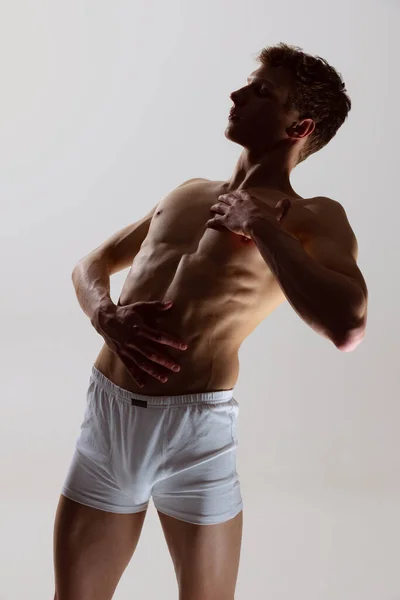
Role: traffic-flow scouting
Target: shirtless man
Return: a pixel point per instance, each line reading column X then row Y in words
column 161, row 418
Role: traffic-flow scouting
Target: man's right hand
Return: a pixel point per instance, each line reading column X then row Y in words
column 128, row 333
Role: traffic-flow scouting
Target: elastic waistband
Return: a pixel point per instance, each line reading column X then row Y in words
column 143, row 400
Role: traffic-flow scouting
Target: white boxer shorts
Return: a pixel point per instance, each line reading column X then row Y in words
column 178, row 450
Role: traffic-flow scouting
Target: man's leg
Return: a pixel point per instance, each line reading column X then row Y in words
column 198, row 498
column 92, row 549
column 205, row 557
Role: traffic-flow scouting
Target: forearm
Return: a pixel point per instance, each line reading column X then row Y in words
column 91, row 281
column 329, row 302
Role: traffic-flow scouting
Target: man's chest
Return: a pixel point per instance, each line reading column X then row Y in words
column 181, row 218
column 179, row 227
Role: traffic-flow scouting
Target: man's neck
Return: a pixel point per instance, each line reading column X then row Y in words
column 250, row 182
column 270, row 172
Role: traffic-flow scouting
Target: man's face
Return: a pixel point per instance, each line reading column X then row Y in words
column 260, row 106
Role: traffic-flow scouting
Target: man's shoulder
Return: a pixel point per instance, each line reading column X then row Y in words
column 329, row 211
column 323, row 204
column 192, row 181
column 334, row 221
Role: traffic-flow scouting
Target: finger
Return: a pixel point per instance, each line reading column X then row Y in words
column 215, row 223
column 127, row 361
column 136, row 362
column 161, row 338
column 245, row 194
column 149, row 367
column 149, row 353
column 131, row 368
column 165, row 305
column 282, row 207
column 284, row 203
column 135, row 313
column 219, row 208
column 227, row 198
column 151, row 305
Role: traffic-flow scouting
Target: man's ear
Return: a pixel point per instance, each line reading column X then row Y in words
column 301, row 129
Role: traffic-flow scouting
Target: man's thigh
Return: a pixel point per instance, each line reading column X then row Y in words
column 206, row 557
column 92, row 549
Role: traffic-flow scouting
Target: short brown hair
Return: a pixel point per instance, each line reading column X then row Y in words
column 319, row 92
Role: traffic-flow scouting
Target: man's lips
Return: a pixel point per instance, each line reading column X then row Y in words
column 233, row 114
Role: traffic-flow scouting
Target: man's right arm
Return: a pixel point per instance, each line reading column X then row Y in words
column 91, row 275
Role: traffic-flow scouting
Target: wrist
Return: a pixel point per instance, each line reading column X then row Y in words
column 106, row 304
column 104, row 308
column 260, row 224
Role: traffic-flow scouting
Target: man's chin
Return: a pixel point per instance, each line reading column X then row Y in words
column 231, row 134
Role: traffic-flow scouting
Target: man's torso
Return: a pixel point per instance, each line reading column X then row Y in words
column 220, row 286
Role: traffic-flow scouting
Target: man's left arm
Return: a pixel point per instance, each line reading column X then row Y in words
column 318, row 272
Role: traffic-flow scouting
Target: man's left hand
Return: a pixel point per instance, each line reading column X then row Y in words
column 237, row 210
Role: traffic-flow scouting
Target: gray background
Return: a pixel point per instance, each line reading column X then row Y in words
column 105, row 108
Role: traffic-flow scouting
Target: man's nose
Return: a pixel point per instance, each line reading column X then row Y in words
column 238, row 96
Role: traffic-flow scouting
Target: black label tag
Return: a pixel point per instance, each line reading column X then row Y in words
column 136, row 402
